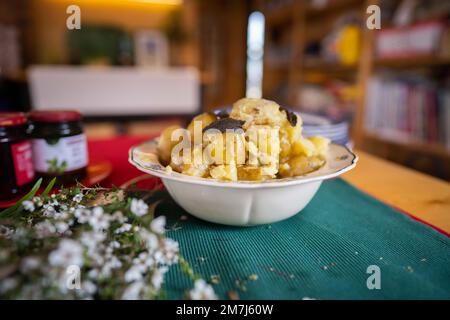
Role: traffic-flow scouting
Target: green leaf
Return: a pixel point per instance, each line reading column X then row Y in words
column 13, row 209
column 49, row 187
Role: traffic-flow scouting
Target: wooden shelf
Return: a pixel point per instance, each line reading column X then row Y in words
column 328, row 67
column 312, row 12
column 279, row 15
column 18, row 75
column 414, row 62
column 276, row 68
column 430, row 148
column 306, row 24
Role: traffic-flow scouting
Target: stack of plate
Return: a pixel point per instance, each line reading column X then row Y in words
column 314, row 125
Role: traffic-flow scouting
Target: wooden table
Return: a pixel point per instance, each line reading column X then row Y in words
column 420, row 195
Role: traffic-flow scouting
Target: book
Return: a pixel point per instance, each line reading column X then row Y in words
column 408, row 108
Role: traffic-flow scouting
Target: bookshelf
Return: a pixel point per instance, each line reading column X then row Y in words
column 301, row 23
column 433, row 149
column 331, row 8
column 305, row 23
column 300, row 20
column 416, row 62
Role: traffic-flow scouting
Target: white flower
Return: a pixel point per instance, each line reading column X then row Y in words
column 119, row 217
column 19, row 234
column 31, row 292
column 7, row 284
column 44, row 229
column 69, row 253
column 202, row 291
column 97, row 242
column 30, row 264
column 99, row 220
column 96, row 256
column 168, row 254
column 114, row 244
column 145, row 259
column 6, row 232
column 61, row 215
column 78, row 197
column 93, row 273
column 83, row 215
column 133, row 291
column 65, row 283
column 123, row 228
column 92, row 239
column 150, row 239
column 28, row 205
column 61, row 227
column 135, row 272
column 49, row 211
column 157, row 225
column 113, row 263
column 138, row 207
column 37, row 201
column 158, row 277
column 88, row 288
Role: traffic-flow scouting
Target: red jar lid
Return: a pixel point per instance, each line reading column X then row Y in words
column 11, row 119
column 55, row 116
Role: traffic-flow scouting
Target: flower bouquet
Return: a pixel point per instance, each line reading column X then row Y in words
column 88, row 243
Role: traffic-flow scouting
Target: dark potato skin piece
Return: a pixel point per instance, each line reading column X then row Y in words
column 225, row 123
column 291, row 116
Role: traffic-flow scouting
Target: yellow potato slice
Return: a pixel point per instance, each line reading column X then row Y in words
column 301, row 165
column 166, row 144
column 224, row 172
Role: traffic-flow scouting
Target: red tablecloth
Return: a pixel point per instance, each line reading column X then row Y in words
column 115, row 151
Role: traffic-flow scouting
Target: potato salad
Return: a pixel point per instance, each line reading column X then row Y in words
column 258, row 140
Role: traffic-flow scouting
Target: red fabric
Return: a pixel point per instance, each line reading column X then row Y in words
column 116, row 151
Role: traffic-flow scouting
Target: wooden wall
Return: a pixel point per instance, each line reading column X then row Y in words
column 223, row 36
column 46, row 30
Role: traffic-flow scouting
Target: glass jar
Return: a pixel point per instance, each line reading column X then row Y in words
column 17, row 172
column 59, row 145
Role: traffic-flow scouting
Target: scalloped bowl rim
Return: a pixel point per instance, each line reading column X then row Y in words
column 153, row 167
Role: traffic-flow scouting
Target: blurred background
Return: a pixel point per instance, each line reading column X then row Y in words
column 136, row 66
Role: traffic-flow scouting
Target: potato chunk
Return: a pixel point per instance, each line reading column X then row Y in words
column 224, row 172
column 257, row 111
column 165, row 144
column 301, row 165
column 205, row 119
column 259, row 141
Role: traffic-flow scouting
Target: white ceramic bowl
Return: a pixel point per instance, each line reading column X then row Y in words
column 242, row 203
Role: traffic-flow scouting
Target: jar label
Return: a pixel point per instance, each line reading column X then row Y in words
column 23, row 162
column 60, row 155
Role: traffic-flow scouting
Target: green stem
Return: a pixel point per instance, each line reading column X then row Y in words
column 13, row 209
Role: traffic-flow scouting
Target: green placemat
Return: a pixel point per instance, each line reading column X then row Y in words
column 321, row 253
